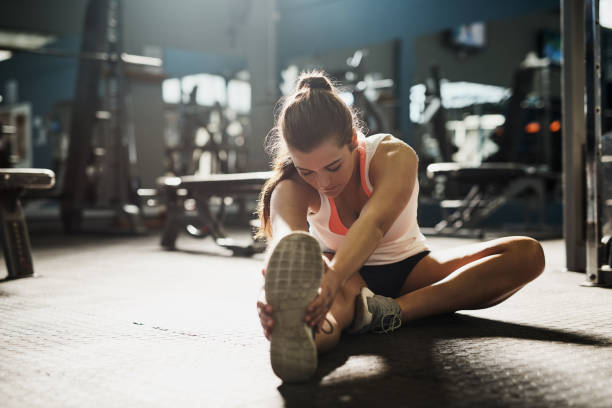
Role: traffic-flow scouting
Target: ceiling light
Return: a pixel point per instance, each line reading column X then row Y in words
column 4, row 55
column 19, row 39
column 141, row 60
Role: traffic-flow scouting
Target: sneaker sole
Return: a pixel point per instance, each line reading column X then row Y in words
column 293, row 278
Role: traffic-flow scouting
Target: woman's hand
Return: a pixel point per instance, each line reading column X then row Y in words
column 318, row 308
column 264, row 310
column 265, row 317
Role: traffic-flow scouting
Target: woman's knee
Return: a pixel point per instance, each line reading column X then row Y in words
column 530, row 253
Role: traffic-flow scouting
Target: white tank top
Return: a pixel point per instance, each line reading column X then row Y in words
column 401, row 241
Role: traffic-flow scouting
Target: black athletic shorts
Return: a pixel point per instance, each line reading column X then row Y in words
column 387, row 280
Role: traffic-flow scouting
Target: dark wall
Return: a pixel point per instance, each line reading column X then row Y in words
column 59, row 17
column 311, row 26
column 507, row 43
column 181, row 62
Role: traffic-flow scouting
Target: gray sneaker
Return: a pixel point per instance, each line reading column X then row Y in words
column 375, row 313
column 293, row 278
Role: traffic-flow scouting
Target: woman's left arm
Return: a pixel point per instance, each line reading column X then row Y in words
column 393, row 172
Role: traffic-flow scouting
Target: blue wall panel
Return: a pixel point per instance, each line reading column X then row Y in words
column 178, row 63
column 42, row 81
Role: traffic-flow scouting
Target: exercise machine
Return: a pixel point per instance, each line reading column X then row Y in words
column 202, row 141
column 524, row 168
column 587, row 153
column 359, row 82
column 205, row 139
column 491, row 185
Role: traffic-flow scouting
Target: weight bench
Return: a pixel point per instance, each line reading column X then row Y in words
column 492, row 185
column 14, row 231
column 200, row 221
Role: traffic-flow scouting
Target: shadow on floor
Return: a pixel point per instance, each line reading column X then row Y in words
column 433, row 362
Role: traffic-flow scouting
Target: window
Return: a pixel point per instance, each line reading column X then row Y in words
column 208, row 89
column 239, row 95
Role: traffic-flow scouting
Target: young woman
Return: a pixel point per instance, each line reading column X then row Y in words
column 364, row 264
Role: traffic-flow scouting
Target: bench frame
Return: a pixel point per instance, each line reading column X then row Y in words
column 511, row 180
column 13, row 228
column 175, row 190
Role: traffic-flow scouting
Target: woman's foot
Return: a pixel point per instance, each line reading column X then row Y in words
column 293, row 277
column 375, row 313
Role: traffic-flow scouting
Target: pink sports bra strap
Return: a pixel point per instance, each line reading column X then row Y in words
column 335, row 224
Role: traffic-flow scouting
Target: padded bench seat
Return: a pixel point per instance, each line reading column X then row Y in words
column 222, row 183
column 483, row 173
column 26, row 179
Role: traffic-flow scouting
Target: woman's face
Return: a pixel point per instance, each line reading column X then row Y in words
column 327, row 168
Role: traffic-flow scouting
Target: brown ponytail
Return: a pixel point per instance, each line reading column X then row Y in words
column 314, row 113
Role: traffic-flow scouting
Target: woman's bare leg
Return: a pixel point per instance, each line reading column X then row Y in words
column 340, row 315
column 472, row 277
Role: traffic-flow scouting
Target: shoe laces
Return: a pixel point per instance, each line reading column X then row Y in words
column 389, row 323
column 390, row 317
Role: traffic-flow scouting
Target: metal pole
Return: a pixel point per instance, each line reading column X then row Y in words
column 593, row 141
column 76, row 185
column 573, row 82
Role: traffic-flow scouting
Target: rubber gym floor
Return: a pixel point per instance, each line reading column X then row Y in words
column 118, row 322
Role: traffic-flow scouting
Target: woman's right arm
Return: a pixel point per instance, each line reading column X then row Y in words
column 288, row 208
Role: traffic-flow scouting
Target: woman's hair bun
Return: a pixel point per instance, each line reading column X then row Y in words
column 314, row 82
